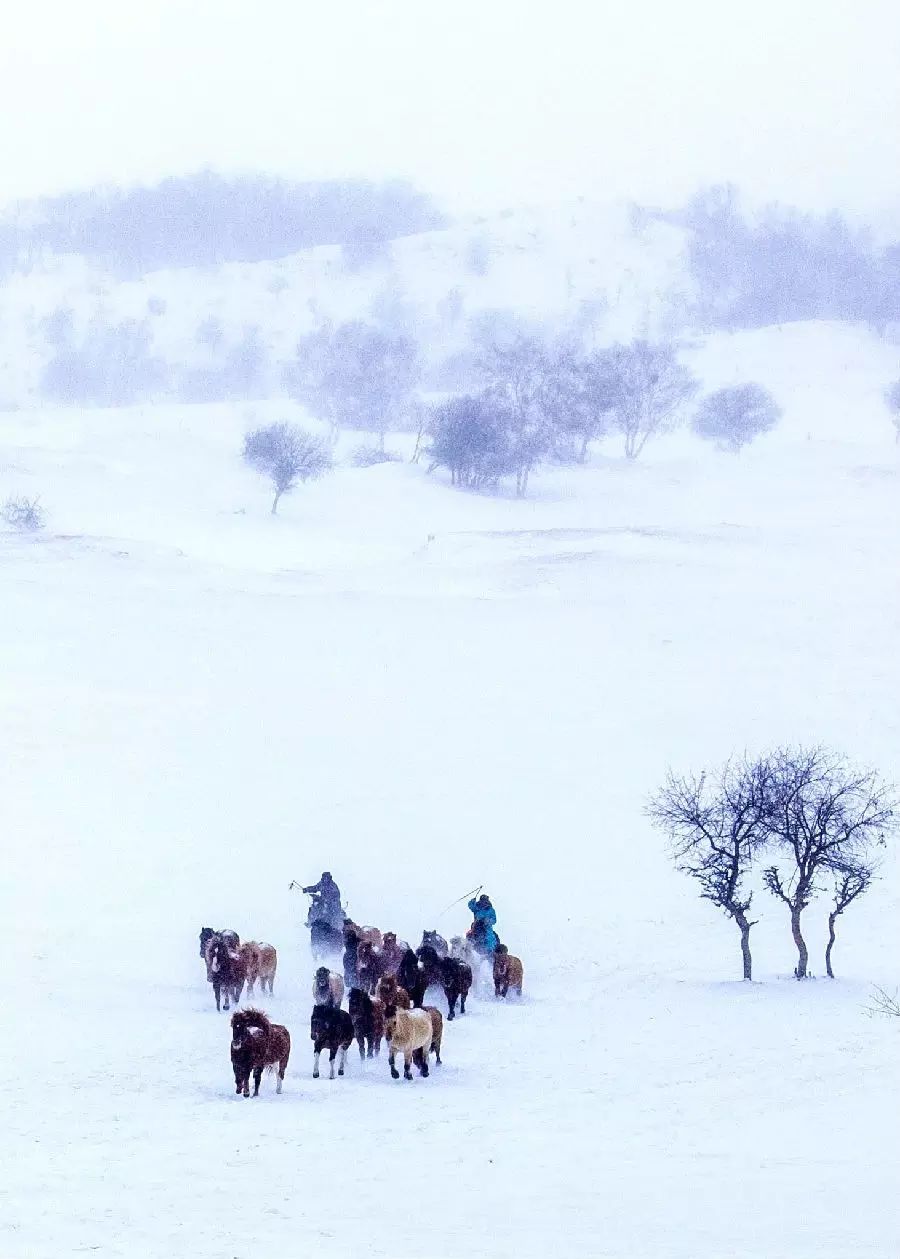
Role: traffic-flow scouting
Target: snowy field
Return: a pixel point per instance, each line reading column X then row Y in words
column 423, row 690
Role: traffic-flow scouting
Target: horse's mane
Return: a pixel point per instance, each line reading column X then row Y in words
column 251, row 1018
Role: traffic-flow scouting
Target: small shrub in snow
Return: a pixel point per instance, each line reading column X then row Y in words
column 892, row 401
column 883, row 1002
column 369, row 456
column 735, row 416
column 286, row 454
column 24, row 513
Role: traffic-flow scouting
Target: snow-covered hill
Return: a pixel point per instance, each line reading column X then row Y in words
column 423, row 690
column 580, row 261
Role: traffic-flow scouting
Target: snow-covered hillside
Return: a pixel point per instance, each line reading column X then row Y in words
column 583, row 260
column 422, row 690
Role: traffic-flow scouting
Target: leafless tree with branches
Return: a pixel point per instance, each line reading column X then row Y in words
column 286, row 454
column 716, row 823
column 847, row 888
column 826, row 817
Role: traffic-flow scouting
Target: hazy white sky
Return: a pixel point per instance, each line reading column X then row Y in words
column 483, row 103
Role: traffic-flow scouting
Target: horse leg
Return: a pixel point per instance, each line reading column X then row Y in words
column 217, row 991
column 282, row 1067
column 420, row 1058
column 451, row 1003
column 342, row 1058
column 257, row 1080
column 361, row 1040
column 407, row 1070
column 316, row 1062
column 394, row 1072
column 332, row 1054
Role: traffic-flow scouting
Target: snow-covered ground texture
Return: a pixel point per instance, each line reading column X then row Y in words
column 423, row 690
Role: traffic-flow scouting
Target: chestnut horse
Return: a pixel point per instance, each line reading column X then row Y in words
column 256, row 1046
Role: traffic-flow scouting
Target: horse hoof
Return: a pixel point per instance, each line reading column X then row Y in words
column 341, row 1072
column 395, row 1074
column 315, row 1075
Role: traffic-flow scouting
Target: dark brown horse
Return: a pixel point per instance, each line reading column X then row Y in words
column 225, row 970
column 368, row 1022
column 369, row 968
column 256, row 1046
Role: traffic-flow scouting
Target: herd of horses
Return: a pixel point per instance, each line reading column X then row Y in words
column 385, row 981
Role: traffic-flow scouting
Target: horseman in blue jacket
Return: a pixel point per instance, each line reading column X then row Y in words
column 481, row 933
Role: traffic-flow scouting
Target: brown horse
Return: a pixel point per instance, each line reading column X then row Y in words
column 389, row 992
column 256, row 1046
column 225, row 970
column 437, row 1030
column 392, row 951
column 367, row 935
column 508, row 972
column 261, row 964
column 368, row 1022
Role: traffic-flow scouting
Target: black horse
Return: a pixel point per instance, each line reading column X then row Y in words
column 453, row 976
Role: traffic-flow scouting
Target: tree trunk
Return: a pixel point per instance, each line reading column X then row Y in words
column 802, row 951
column 832, row 917
column 582, row 458
column 278, row 494
column 741, row 920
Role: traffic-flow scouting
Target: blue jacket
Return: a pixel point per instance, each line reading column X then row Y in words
column 485, row 917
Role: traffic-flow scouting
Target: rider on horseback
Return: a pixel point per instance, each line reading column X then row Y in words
column 326, row 904
column 481, row 933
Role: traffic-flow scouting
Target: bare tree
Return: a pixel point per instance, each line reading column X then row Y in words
column 518, row 375
column 652, row 390
column 825, row 816
column 356, row 376
column 892, row 401
column 847, row 888
column 580, row 394
column 286, row 454
column 716, row 823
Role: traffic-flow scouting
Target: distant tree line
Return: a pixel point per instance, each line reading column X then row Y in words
column 207, row 219
column 781, row 264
